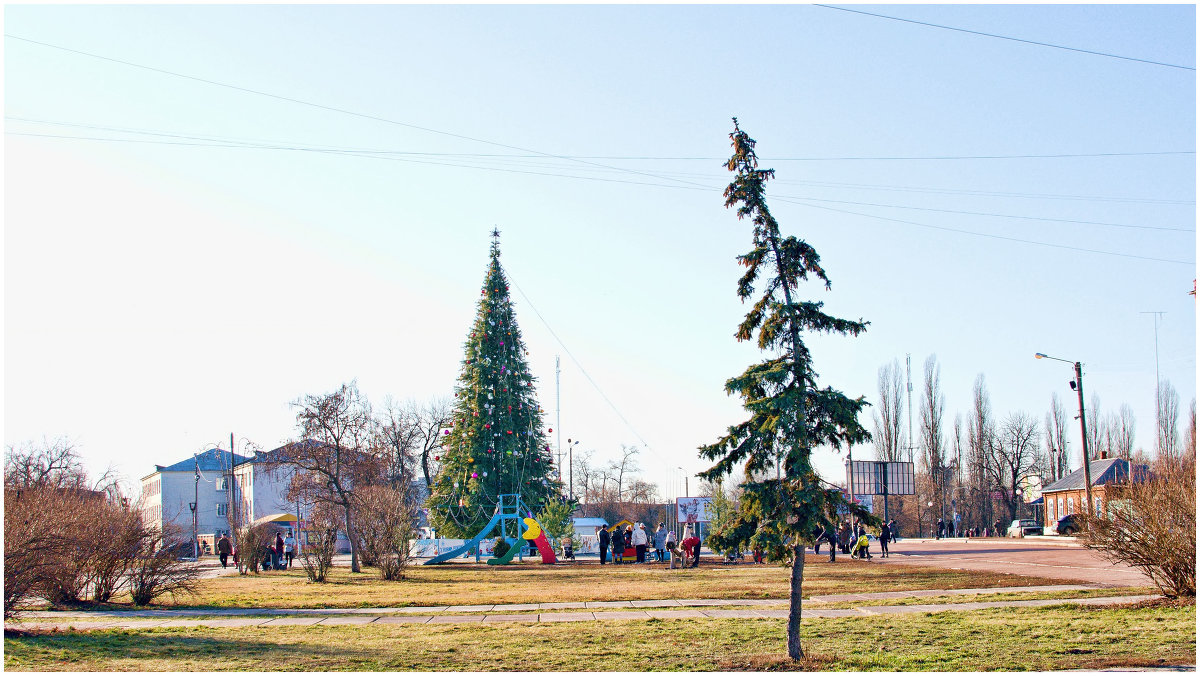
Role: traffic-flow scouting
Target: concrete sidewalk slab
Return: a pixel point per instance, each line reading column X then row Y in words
column 622, row 615
column 469, row 609
column 565, row 617
column 610, row 604
column 455, row 619
column 348, row 620
column 292, row 621
column 737, row 614
column 568, row 605
column 404, row 619
column 660, row 603
column 675, row 614
column 510, row 618
column 517, row 606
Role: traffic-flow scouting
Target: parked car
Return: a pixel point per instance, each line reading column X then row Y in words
column 1068, row 525
column 1022, row 527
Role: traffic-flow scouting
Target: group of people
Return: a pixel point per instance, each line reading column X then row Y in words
column 278, row 556
column 635, row 536
column 853, row 540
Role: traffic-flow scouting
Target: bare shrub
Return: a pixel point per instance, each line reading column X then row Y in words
column 156, row 569
column 385, row 528
column 316, row 554
column 253, row 541
column 115, row 538
column 38, row 527
column 1151, row 524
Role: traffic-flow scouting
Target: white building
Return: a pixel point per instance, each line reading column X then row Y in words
column 169, row 492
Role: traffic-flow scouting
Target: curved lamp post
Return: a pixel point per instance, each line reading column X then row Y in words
column 1077, row 385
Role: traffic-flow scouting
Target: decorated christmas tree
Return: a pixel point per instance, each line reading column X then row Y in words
column 496, row 444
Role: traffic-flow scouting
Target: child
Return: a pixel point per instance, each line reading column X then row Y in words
column 862, row 547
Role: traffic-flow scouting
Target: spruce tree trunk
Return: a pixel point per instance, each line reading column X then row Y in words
column 354, row 567
column 795, row 651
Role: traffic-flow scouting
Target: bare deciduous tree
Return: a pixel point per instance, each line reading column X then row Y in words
column 1096, row 425
column 334, row 454
column 1167, row 423
column 1190, row 440
column 1124, row 428
column 1013, row 457
column 980, row 430
column 1058, row 445
column 933, row 442
column 888, row 414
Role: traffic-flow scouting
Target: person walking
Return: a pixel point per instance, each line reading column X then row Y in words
column 224, row 548
column 277, row 562
column 671, row 547
column 289, row 548
column 605, row 539
column 818, row 536
column 639, row 542
column 893, row 531
column 660, row 541
column 885, row 534
column 831, row 536
column 618, row 546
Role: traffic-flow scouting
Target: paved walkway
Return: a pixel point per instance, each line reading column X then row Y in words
column 533, row 612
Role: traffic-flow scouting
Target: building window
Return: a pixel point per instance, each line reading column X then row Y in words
column 222, row 509
column 1060, row 512
column 1097, row 511
column 1071, row 505
column 223, row 483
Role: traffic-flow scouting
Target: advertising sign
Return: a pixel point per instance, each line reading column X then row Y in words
column 692, row 510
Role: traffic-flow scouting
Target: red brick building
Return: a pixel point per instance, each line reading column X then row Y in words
column 1068, row 495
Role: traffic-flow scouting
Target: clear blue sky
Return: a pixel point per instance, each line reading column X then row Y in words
column 159, row 296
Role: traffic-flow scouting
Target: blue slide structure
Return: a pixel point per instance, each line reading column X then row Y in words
column 469, row 544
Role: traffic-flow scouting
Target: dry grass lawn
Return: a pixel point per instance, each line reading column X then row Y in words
column 470, row 584
column 1011, row 639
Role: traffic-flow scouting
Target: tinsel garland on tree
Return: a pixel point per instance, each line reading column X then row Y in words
column 496, row 443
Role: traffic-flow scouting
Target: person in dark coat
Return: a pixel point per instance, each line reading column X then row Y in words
column 885, row 534
column 618, row 546
column 605, row 539
column 224, row 548
column 276, row 561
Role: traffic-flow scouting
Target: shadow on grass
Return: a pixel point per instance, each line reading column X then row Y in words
column 39, row 650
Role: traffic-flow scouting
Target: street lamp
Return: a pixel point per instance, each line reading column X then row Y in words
column 571, row 467
column 1077, row 385
column 195, row 537
column 929, row 511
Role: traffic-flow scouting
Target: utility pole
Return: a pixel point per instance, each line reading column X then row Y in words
column 195, row 511
column 558, row 415
column 908, row 377
column 1087, row 471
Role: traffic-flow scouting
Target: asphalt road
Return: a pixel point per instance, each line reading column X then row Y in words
column 1032, row 556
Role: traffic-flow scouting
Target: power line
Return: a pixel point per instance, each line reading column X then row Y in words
column 632, row 157
column 320, row 106
column 220, row 142
column 1006, row 37
column 996, row 215
column 800, row 201
column 988, row 235
column 577, row 364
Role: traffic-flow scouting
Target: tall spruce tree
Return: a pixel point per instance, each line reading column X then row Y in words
column 783, row 499
column 496, row 444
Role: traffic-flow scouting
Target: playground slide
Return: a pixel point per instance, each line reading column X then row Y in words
column 468, row 545
column 508, row 556
column 544, row 548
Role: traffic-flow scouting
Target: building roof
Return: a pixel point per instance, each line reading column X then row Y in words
column 212, row 460
column 1106, row 471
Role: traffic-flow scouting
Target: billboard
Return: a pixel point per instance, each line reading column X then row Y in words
column 877, row 477
column 690, row 510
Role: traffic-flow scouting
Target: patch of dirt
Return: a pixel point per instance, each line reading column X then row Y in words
column 1165, row 602
column 810, row 662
